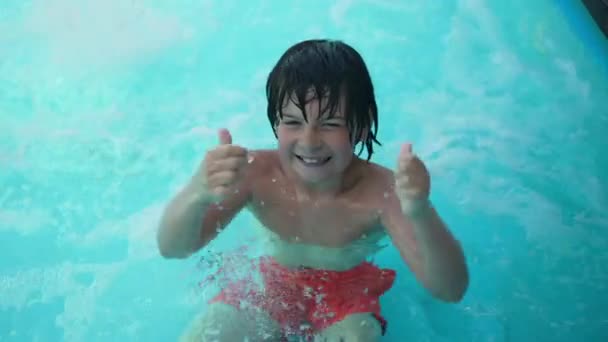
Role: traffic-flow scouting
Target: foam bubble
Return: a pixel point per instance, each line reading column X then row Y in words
column 105, row 32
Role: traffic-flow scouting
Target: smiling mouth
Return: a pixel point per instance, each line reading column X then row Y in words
column 313, row 161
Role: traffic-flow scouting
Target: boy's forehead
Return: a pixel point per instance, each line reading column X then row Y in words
column 292, row 109
column 292, row 106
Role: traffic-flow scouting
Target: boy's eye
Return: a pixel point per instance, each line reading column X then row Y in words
column 332, row 124
column 291, row 122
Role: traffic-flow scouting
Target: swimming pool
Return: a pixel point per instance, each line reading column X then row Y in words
column 107, row 107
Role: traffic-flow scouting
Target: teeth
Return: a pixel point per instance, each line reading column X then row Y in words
column 312, row 161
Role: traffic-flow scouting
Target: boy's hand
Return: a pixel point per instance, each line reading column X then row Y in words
column 222, row 167
column 412, row 180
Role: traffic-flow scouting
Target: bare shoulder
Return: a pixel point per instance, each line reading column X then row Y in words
column 382, row 174
column 262, row 165
column 375, row 178
column 375, row 186
column 263, row 161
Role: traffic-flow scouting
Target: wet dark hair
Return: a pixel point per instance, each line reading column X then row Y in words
column 331, row 69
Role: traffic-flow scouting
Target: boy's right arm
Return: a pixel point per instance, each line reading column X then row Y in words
column 194, row 217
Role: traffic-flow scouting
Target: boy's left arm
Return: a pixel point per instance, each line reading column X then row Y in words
column 420, row 235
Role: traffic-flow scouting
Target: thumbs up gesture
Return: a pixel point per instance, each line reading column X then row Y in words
column 222, row 167
column 412, row 179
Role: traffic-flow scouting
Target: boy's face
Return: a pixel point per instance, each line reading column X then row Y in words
column 319, row 150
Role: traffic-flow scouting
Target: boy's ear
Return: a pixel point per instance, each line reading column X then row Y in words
column 276, row 124
column 361, row 140
column 364, row 135
column 365, row 130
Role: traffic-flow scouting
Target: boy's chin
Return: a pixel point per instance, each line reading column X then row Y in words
column 312, row 179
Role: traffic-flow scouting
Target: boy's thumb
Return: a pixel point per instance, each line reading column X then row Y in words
column 225, row 137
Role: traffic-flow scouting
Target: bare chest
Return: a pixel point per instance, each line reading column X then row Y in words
column 331, row 223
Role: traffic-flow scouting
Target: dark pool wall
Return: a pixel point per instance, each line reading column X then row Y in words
column 599, row 11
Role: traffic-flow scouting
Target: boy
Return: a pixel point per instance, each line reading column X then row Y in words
column 324, row 208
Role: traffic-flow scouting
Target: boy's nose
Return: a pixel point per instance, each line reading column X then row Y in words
column 311, row 140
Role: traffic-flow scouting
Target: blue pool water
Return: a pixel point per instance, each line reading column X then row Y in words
column 106, row 107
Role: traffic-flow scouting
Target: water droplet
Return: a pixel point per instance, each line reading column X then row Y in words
column 250, row 159
column 274, row 180
column 386, row 195
column 262, row 203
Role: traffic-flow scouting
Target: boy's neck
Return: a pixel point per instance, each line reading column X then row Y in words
column 331, row 188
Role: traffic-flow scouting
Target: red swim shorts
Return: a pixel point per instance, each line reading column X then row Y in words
column 305, row 301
